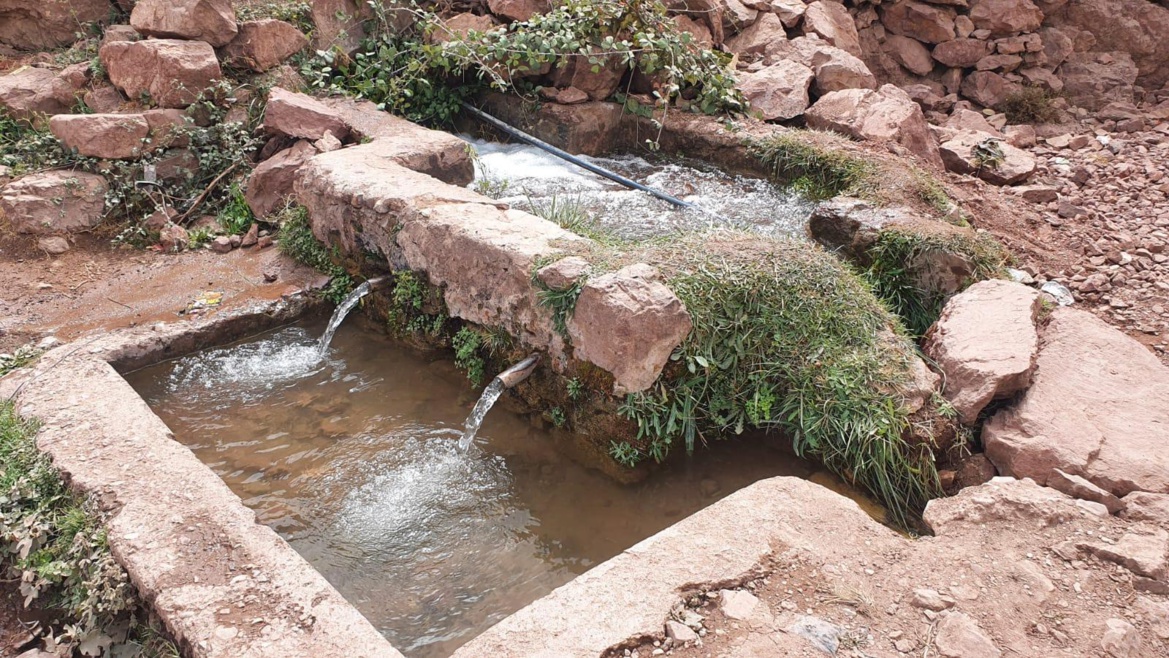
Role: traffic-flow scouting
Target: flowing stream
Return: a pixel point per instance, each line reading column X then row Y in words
column 340, row 312
column 528, row 178
column 354, row 459
column 486, row 401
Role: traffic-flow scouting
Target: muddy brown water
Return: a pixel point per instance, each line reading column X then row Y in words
column 354, row 461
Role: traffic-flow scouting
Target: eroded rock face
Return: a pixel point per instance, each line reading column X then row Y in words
column 834, row 68
column 833, row 23
column 54, row 202
column 628, row 323
column 986, row 344
column 1093, row 80
column 1136, row 27
column 1005, row 18
column 30, row 92
column 1001, row 499
column 885, row 115
column 909, row 53
column 1098, row 407
column 961, row 155
column 959, row 636
column 779, row 91
column 988, row 88
column 271, row 182
column 172, row 73
column 262, row 45
column 339, row 23
column 961, row 53
column 301, row 116
column 926, row 23
column 46, row 24
column 212, row 21
column 110, row 136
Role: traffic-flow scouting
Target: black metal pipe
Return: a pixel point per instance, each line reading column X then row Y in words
column 564, row 155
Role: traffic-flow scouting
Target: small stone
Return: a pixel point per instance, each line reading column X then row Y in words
column 221, row 244
column 680, row 632
column 960, row 637
column 930, row 599
column 53, row 245
column 252, row 236
column 737, row 604
column 264, row 242
column 1121, row 639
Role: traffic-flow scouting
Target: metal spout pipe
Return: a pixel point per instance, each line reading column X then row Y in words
column 377, row 283
column 519, row 372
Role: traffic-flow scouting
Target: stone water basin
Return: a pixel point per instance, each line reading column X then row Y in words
column 354, row 461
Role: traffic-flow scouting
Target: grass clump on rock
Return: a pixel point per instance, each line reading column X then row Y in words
column 298, row 243
column 785, row 338
column 53, row 545
column 813, row 170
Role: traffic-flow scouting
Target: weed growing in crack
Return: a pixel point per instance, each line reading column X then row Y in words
column 298, row 242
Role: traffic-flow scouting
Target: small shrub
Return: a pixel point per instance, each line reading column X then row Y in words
column 299, row 14
column 236, row 215
column 816, row 172
column 408, row 301
column 1030, row 105
column 20, row 358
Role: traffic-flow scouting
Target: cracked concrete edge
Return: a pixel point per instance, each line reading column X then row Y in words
column 630, row 596
column 224, row 585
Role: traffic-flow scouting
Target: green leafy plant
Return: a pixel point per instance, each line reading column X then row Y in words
column 989, row 153
column 557, row 416
column 298, row 242
column 52, row 543
column 466, row 344
column 623, row 453
column 408, row 301
column 576, row 389
column 21, row 357
column 300, row 14
column 814, row 171
column 236, row 215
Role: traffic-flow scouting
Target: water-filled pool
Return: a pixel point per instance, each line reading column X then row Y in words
column 354, row 461
column 525, row 176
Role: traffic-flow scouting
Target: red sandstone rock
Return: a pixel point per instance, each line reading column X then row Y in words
column 628, row 323
column 789, row 11
column 765, row 37
column 910, row 54
column 54, row 202
column 271, row 182
column 262, row 45
column 960, row 156
column 779, row 91
column 1097, row 407
column 834, row 68
column 1135, row 27
column 301, row 116
column 986, row 344
column 29, row 92
column 959, row 636
column 961, row 53
column 340, row 23
column 564, row 273
column 887, row 114
column 1005, row 17
column 103, row 100
column 460, row 25
column 110, row 136
column 518, row 10
column 172, row 73
column 1093, row 80
column 833, row 23
column 47, row 24
column 212, row 21
column 700, row 32
column 987, row 88
column 926, row 23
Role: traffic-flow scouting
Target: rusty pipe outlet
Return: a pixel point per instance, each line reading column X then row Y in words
column 519, row 372
column 377, row 283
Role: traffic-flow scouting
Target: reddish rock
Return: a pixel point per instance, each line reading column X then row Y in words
column 789, row 11
column 172, row 73
column 168, row 129
column 987, row 88
column 779, row 91
column 974, row 470
column 887, row 114
column 628, row 323
column 986, row 344
column 54, row 202
column 1135, row 27
column 834, row 69
column 518, row 10
column 29, row 92
column 457, row 27
column 271, row 183
column 910, row 54
column 1056, row 46
column 103, row 100
column 212, row 21
column 301, row 116
column 262, row 45
column 1077, row 487
column 114, row 33
column 926, row 23
column 564, row 273
column 765, row 37
column 1097, row 408
column 1093, row 80
column 1145, row 506
column 109, row 136
column 1005, row 63
column 699, row 32
column 173, row 238
column 54, row 245
column 970, row 120
column 47, row 24
column 833, row 23
column 960, row 155
column 959, row 636
column 1005, row 17
column 599, row 85
column 339, row 23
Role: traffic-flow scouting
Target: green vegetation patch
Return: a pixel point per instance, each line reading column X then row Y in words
column 815, row 171
column 896, row 274
column 1030, row 105
column 785, row 338
column 298, row 243
column 52, row 543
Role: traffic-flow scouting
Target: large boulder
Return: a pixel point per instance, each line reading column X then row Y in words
column 884, row 115
column 212, row 21
column 988, row 88
column 598, row 82
column 54, row 202
column 926, row 23
column 765, row 37
column 298, row 115
column 909, row 53
column 977, row 153
column 270, row 184
column 1005, row 18
column 834, row 68
column 1093, row 80
column 170, row 72
column 779, row 91
column 1135, row 27
column 518, row 10
column 47, row 24
column 986, row 344
column 628, row 322
column 339, row 23
column 30, row 92
column 961, row 53
column 109, row 136
column 1097, row 407
column 264, row 44
column 832, row 22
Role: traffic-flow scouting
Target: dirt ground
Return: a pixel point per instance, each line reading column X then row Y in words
column 96, row 286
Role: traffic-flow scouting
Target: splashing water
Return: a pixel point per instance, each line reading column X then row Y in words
column 339, row 315
column 528, row 178
column 486, row 401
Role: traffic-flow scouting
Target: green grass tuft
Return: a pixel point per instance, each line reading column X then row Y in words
column 298, row 243
column 814, row 171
